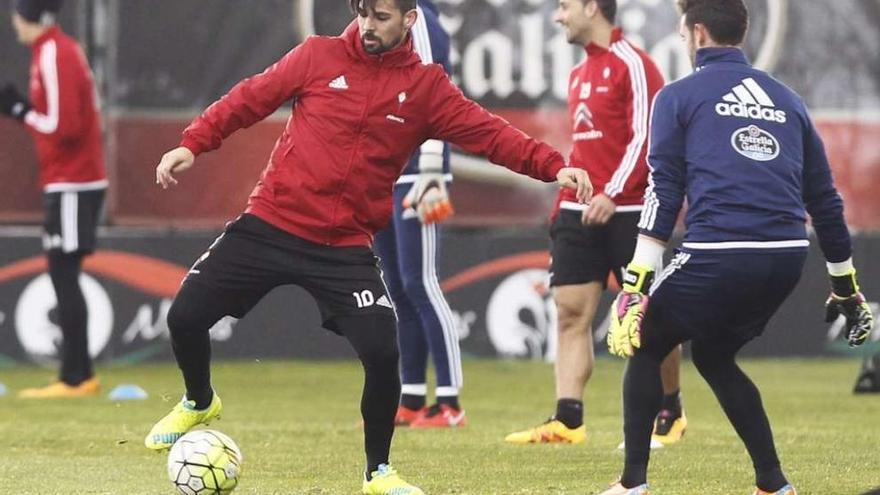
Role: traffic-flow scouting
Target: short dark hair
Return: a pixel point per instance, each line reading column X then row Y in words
column 726, row 20
column 362, row 6
column 608, row 9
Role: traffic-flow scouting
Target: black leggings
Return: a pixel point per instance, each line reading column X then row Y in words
column 738, row 396
column 373, row 337
column 73, row 316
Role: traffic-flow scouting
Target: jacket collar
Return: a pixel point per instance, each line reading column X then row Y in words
column 593, row 49
column 401, row 56
column 50, row 33
column 717, row 55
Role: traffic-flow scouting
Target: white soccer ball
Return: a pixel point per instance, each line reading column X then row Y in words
column 204, row 462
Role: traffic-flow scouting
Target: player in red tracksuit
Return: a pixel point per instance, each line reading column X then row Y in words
column 62, row 116
column 363, row 103
column 610, row 96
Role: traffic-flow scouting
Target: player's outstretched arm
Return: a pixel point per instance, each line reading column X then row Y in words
column 175, row 161
column 461, row 121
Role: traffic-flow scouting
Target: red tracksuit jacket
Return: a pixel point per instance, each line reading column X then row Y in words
column 609, row 102
column 64, row 120
column 357, row 118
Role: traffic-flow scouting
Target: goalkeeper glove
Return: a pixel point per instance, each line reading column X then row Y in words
column 13, row 103
column 846, row 300
column 628, row 311
column 428, row 196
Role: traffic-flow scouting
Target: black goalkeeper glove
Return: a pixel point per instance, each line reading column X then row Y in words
column 846, row 300
column 13, row 103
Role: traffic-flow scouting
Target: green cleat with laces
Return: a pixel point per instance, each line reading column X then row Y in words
column 180, row 420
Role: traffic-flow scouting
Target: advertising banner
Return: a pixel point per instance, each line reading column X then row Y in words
column 495, row 281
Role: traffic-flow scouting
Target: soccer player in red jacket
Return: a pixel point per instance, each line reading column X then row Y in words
column 610, row 95
column 363, row 103
column 62, row 116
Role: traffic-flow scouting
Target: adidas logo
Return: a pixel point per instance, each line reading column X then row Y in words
column 339, row 83
column 748, row 101
column 384, row 301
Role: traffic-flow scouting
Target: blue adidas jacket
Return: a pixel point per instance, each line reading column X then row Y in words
column 432, row 44
column 742, row 148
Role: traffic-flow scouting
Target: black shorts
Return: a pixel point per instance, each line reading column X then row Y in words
column 252, row 257
column 581, row 254
column 71, row 220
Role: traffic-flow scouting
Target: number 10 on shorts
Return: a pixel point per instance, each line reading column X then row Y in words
column 364, row 298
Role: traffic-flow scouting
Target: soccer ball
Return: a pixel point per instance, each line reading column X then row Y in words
column 204, row 462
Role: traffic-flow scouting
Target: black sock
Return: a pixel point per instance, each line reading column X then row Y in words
column 741, row 401
column 770, row 480
column 570, row 412
column 73, row 316
column 672, row 402
column 449, row 400
column 374, row 339
column 642, row 395
column 412, row 402
column 192, row 314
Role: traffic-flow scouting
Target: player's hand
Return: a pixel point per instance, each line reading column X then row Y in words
column 13, row 103
column 600, row 211
column 577, row 179
column 846, row 300
column 628, row 311
column 175, row 161
column 429, row 198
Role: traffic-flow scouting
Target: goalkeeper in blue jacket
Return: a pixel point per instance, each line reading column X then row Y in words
column 742, row 148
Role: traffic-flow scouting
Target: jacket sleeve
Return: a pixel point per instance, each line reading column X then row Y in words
column 821, row 198
column 464, row 123
column 667, row 168
column 65, row 77
column 250, row 101
column 644, row 83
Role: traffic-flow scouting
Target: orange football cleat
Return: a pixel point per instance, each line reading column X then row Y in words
column 440, row 416
column 61, row 390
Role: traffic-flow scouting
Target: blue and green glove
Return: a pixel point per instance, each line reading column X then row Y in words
column 629, row 310
column 846, row 300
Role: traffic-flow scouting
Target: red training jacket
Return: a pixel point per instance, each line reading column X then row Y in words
column 64, row 120
column 357, row 118
column 609, row 103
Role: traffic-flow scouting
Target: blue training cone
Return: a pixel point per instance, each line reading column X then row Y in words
column 127, row 392
column 3, row 390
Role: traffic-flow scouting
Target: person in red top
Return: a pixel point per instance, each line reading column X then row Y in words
column 363, row 103
column 610, row 97
column 62, row 116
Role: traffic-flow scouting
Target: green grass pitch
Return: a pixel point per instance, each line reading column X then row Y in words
column 296, row 424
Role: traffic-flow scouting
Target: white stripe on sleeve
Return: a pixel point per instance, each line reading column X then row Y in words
column 48, row 123
column 636, row 68
column 652, row 202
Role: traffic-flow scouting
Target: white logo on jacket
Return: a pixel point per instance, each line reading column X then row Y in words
column 583, row 118
column 755, row 143
column 586, row 90
column 339, row 83
column 748, row 100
